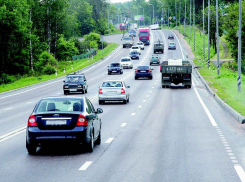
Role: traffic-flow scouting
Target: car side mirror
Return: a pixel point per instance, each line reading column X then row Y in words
column 128, row 86
column 99, row 111
column 64, row 81
column 152, row 69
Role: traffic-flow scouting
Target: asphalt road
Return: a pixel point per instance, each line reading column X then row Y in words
column 171, row 134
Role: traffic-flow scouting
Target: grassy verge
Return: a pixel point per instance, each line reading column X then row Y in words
column 116, row 31
column 77, row 65
column 225, row 84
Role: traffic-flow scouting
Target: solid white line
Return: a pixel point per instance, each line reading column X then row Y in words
column 85, row 166
column 144, row 100
column 13, row 132
column 133, row 114
column 147, row 96
column 205, row 107
column 139, row 107
column 240, row 172
column 29, row 102
column 153, row 87
column 7, row 108
column 124, row 124
column 109, row 140
column 58, row 93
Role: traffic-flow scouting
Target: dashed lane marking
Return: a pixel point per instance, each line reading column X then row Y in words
column 133, row 114
column 8, row 108
column 109, row 140
column 85, row 166
column 124, row 124
column 29, row 102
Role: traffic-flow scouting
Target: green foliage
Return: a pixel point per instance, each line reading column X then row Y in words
column 48, row 69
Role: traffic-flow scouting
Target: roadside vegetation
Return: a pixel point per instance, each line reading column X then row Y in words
column 70, row 66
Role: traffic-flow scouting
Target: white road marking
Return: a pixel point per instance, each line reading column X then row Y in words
column 234, row 161
column 230, row 154
column 139, row 107
column 155, row 83
column 150, row 91
column 11, row 134
column 156, row 80
column 229, row 151
column 109, row 140
column 58, row 93
column 124, row 124
column 205, row 107
column 144, row 100
column 153, row 87
column 8, row 108
column 85, row 166
column 240, row 172
column 29, row 102
column 148, row 96
column 133, row 114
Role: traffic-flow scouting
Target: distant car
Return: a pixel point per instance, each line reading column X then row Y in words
column 75, row 83
column 113, row 90
column 155, row 59
column 115, row 68
column 170, row 36
column 171, row 45
column 63, row 119
column 136, row 48
column 126, row 62
column 132, row 33
column 141, row 45
column 143, row 71
column 134, row 55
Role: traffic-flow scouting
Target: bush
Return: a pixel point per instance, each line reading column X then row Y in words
column 44, row 59
column 48, row 69
column 104, row 44
column 5, row 79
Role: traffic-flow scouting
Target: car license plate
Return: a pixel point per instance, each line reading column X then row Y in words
column 73, row 90
column 114, row 71
column 56, row 122
column 143, row 71
column 111, row 92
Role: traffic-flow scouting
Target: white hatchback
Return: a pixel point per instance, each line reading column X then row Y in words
column 141, row 45
column 126, row 62
column 135, row 48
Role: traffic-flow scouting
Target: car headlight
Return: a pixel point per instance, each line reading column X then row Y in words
column 79, row 86
column 66, row 86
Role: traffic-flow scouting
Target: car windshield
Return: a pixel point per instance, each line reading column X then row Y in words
column 124, row 60
column 127, row 39
column 140, row 43
column 143, row 68
column 171, row 43
column 131, row 31
column 60, row 104
column 134, row 52
column 144, row 34
column 74, row 79
column 115, row 65
column 112, row 84
column 135, row 48
column 154, row 58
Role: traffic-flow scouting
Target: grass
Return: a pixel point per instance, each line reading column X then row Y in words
column 116, row 31
column 225, row 84
column 77, row 65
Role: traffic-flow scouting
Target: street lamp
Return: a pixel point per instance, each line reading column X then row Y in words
column 153, row 13
column 162, row 13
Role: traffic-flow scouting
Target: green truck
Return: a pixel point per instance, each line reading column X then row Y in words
column 158, row 47
column 176, row 71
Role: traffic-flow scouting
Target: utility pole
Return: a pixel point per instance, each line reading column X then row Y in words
column 185, row 20
column 194, row 46
column 176, row 13
column 179, row 15
column 190, row 25
column 239, row 47
column 123, row 25
column 217, row 34
column 108, row 20
column 203, row 18
column 208, row 34
column 168, row 18
column 153, row 14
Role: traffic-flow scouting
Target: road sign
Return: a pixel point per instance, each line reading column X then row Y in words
column 161, row 19
column 170, row 17
column 174, row 17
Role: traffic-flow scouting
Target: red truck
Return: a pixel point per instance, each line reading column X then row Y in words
column 144, row 35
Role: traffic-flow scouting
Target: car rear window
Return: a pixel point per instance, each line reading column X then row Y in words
column 171, row 43
column 112, row 84
column 74, row 79
column 135, row 47
column 140, row 43
column 133, row 52
column 127, row 38
column 62, row 105
column 124, row 60
column 143, row 67
column 115, row 65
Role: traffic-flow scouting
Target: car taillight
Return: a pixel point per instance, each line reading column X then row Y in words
column 136, row 71
column 100, row 91
column 187, row 75
column 123, row 91
column 32, row 121
column 82, row 121
column 165, row 75
column 149, row 71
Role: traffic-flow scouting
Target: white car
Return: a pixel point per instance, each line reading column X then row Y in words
column 126, row 62
column 135, row 48
column 141, row 45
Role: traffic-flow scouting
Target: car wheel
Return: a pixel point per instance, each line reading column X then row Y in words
column 31, row 148
column 98, row 141
column 90, row 146
column 128, row 100
column 150, row 77
column 136, row 78
column 143, row 48
column 125, row 102
column 101, row 102
column 163, row 86
column 150, row 64
column 83, row 91
column 109, row 73
column 66, row 93
column 86, row 91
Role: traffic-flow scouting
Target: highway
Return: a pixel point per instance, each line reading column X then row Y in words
column 172, row 134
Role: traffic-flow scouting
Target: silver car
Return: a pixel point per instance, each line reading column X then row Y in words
column 113, row 90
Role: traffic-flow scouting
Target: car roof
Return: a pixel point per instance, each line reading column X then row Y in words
column 125, row 57
column 63, row 97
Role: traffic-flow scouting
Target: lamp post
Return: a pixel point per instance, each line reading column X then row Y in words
column 208, row 34
column 217, row 34
column 203, row 33
column 194, row 28
column 185, row 20
column 153, row 13
column 108, row 20
column 239, row 47
column 162, row 13
column 190, row 25
column 143, row 16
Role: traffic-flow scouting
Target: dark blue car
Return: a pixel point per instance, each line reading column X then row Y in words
column 143, row 72
column 63, row 119
column 75, row 83
column 115, row 68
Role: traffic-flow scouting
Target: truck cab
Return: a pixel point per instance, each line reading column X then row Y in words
column 144, row 36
